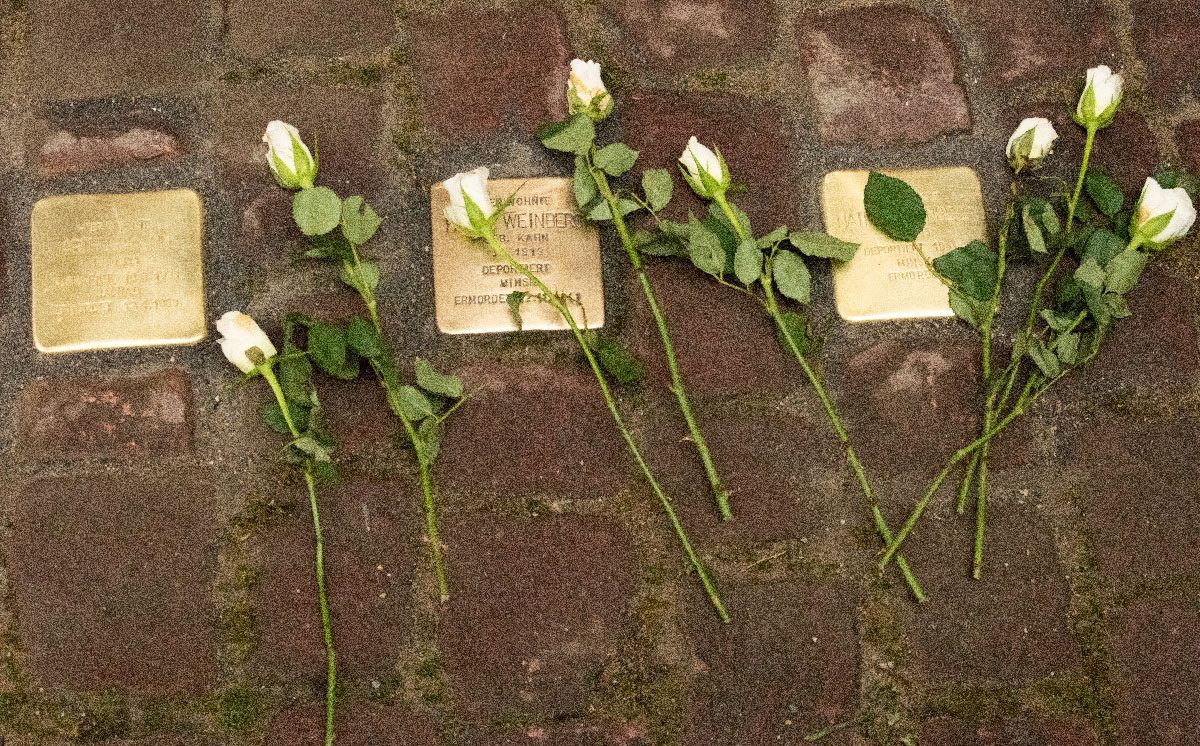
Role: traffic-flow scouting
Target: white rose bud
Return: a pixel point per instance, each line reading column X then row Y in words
column 1031, row 142
column 1100, row 98
column 294, row 166
column 469, row 185
column 1162, row 215
column 586, row 93
column 704, row 170
column 243, row 341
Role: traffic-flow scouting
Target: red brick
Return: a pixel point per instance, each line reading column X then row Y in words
column 682, row 35
column 1009, row 732
column 359, row 418
column 538, row 611
column 1165, row 33
column 1027, row 40
column 1013, row 625
column 105, row 47
column 576, row 734
column 324, row 28
column 1158, row 688
column 354, row 725
column 125, row 417
column 659, row 125
column 883, row 75
column 112, row 578
column 65, row 153
column 1189, row 145
column 371, row 548
column 505, row 66
column 785, row 667
column 509, row 438
column 1138, row 498
column 1127, row 149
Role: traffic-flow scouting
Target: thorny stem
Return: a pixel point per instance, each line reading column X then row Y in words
column 685, row 407
column 860, row 474
column 502, row 253
column 310, row 480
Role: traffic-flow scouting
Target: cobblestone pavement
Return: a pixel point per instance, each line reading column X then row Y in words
column 156, row 581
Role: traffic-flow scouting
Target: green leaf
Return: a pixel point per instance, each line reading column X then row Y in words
column 658, row 243
column 1104, row 191
column 327, row 348
column 363, row 339
column 1045, row 360
column 791, row 276
column 312, row 448
column 774, row 237
column 1057, row 321
column 1067, row 348
column 823, row 245
column 1090, row 273
column 894, row 207
column 317, row 211
column 967, row 308
column 716, row 213
column 618, row 360
column 272, row 415
column 431, row 438
column 1049, row 217
column 615, row 159
column 295, row 375
column 1102, row 245
column 514, row 301
column 601, row 210
column 411, row 402
column 585, row 185
column 658, row 186
column 1124, row 270
column 434, row 382
column 575, row 135
column 1033, row 231
column 705, row 250
column 972, row 269
column 359, row 221
column 747, row 262
column 368, row 273
column 1116, row 305
column 331, row 246
column 796, row 325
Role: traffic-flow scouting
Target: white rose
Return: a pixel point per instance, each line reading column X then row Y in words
column 1032, row 141
column 289, row 158
column 1163, row 215
column 472, row 185
column 586, row 93
column 1100, row 98
column 705, row 170
column 240, row 334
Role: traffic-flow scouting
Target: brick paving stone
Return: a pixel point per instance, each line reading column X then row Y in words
column 87, row 417
column 1137, row 497
column 1158, row 688
column 1127, row 149
column 786, row 666
column 303, row 724
column 63, row 152
column 112, row 578
column 724, row 342
column 883, row 75
column 682, row 35
column 578, row 734
column 1164, row 32
column 325, row 28
column 509, row 438
column 359, row 418
column 910, row 405
column 104, row 47
column 1012, row 626
column 518, row 74
column 371, row 550
column 539, row 609
column 659, row 125
column 1189, row 145
column 1025, row 40
column 1009, row 732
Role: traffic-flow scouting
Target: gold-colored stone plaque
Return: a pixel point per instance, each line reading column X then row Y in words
column 543, row 230
column 117, row 270
column 888, row 279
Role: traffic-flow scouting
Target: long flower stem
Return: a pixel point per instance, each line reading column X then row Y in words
column 414, row 437
column 562, row 308
column 856, row 466
column 685, row 407
column 311, row 482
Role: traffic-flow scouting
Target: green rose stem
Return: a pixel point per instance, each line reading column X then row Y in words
column 353, row 266
column 772, row 307
column 685, row 406
column 496, row 246
column 310, row 480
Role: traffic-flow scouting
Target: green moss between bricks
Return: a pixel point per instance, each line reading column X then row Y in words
column 239, row 709
column 105, row 717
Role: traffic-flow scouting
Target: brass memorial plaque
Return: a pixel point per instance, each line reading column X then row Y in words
column 888, row 279
column 541, row 229
column 117, row 270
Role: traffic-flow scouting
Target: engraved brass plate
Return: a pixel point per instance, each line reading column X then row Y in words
column 888, row 279
column 543, row 230
column 117, row 270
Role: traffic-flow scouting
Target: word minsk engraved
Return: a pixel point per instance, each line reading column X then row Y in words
column 541, row 229
column 117, row 270
column 889, row 279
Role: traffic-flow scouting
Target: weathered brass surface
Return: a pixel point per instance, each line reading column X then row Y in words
column 542, row 229
column 117, row 270
column 888, row 279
